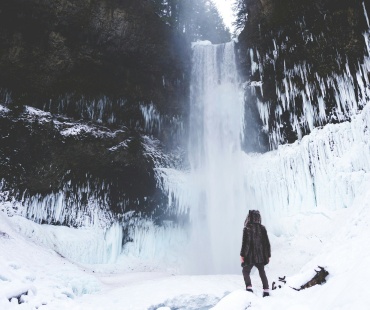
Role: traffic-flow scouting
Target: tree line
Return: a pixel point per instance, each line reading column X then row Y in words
column 196, row 19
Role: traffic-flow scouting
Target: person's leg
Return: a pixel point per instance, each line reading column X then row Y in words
column 246, row 274
column 261, row 270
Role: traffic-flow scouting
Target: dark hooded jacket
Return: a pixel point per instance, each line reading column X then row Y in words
column 256, row 245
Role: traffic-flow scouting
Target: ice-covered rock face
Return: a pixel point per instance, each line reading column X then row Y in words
column 327, row 169
column 306, row 64
column 59, row 171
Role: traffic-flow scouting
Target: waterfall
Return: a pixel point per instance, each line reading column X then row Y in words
column 216, row 130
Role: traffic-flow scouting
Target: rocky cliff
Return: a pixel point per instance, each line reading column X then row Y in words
column 101, row 78
column 294, row 55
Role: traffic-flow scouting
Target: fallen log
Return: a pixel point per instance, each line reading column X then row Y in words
column 319, row 278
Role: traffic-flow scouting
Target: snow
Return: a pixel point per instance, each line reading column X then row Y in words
column 36, row 112
column 201, row 43
column 80, row 129
column 47, row 277
column 335, row 240
column 3, row 109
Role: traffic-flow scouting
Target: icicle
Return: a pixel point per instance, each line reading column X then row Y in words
column 326, row 169
column 152, row 117
column 365, row 12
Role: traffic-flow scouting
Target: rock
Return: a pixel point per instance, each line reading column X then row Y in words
column 93, row 166
column 90, row 65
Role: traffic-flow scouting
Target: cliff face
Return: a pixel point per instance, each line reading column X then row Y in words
column 298, row 51
column 107, row 75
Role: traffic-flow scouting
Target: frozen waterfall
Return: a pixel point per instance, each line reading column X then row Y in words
column 216, row 129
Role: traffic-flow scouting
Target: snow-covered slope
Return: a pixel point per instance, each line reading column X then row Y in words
column 336, row 240
column 48, row 278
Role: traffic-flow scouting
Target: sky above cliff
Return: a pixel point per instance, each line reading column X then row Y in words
column 226, row 12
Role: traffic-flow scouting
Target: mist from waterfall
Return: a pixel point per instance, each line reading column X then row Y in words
column 216, row 130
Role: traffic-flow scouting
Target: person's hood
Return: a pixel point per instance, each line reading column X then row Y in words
column 254, row 216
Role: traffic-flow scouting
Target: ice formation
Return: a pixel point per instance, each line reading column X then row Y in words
column 100, row 110
column 152, row 117
column 326, row 169
column 90, row 245
column 348, row 90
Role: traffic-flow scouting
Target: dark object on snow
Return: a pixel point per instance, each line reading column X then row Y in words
column 249, row 290
column 256, row 245
column 18, row 296
column 319, row 278
column 266, row 294
column 281, row 279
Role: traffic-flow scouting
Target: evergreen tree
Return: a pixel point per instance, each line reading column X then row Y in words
column 196, row 19
column 240, row 7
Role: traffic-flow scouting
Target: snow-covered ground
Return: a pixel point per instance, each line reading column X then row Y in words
column 336, row 240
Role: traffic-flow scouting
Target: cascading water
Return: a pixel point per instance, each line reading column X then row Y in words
column 216, row 128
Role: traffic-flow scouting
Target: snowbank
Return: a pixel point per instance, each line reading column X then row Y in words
column 38, row 274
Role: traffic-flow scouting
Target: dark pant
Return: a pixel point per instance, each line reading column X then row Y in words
column 261, row 269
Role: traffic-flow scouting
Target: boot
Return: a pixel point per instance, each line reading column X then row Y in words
column 249, row 289
column 266, row 294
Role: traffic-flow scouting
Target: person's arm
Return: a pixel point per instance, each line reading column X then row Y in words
column 267, row 244
column 242, row 250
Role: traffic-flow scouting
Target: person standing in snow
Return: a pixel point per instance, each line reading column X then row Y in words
column 255, row 251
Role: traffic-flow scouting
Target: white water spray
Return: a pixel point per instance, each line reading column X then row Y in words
column 216, row 130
